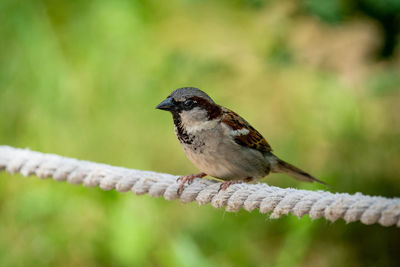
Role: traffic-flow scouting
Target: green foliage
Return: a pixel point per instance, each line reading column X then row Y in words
column 384, row 6
column 330, row 10
column 82, row 78
column 384, row 13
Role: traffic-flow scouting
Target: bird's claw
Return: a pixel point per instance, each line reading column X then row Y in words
column 189, row 179
column 226, row 184
column 183, row 180
column 223, row 186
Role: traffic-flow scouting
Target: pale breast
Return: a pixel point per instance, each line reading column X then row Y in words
column 216, row 154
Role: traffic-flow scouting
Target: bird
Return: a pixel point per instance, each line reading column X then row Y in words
column 220, row 143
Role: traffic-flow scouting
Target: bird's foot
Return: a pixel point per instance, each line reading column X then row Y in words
column 189, row 179
column 226, row 184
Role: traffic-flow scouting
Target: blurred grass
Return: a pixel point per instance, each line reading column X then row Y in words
column 82, row 78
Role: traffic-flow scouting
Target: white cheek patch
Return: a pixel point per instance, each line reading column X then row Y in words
column 200, row 126
column 194, row 115
column 242, row 131
column 196, row 120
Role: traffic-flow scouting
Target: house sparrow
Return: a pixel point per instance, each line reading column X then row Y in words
column 220, row 143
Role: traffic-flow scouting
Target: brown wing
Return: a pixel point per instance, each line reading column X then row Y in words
column 243, row 133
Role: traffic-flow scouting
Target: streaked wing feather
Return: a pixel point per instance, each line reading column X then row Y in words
column 251, row 138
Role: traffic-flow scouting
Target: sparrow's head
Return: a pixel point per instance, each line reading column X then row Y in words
column 190, row 103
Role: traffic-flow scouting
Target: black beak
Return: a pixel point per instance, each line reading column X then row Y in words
column 168, row 104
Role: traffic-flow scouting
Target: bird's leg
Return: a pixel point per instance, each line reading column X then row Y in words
column 189, row 179
column 226, row 184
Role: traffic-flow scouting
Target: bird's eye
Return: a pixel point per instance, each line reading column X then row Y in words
column 189, row 103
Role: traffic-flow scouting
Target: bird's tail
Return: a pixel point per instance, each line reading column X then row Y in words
column 280, row 166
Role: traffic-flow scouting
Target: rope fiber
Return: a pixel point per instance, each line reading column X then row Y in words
column 278, row 201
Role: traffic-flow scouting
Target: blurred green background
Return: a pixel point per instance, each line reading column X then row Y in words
column 319, row 79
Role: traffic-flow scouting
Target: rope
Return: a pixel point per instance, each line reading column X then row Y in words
column 278, row 201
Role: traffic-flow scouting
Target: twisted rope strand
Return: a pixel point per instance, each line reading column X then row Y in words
column 278, row 201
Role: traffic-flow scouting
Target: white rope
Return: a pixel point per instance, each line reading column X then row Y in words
column 278, row 201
